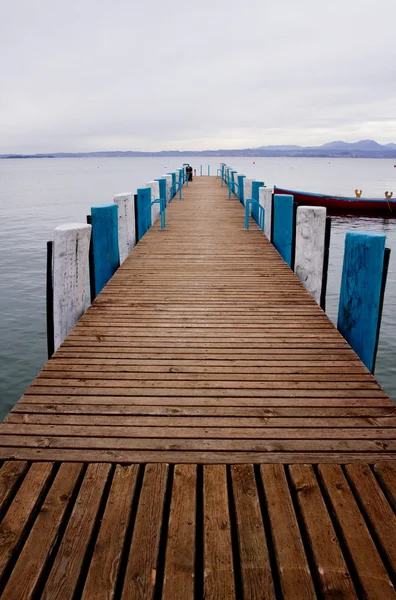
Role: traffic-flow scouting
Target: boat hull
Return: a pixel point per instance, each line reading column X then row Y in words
column 341, row 203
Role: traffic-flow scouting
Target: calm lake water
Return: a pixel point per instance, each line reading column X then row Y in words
column 37, row 195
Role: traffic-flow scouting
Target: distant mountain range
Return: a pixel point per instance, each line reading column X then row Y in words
column 339, row 149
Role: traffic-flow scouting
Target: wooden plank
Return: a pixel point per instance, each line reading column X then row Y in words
column 194, row 456
column 328, row 561
column 20, row 513
column 371, row 573
column 240, row 435
column 363, row 415
column 65, row 572
column 104, row 568
column 37, row 549
column 218, row 561
column 387, row 475
column 375, row 506
column 141, row 571
column 202, row 444
column 10, row 476
column 294, row 572
column 257, row 581
column 179, row 575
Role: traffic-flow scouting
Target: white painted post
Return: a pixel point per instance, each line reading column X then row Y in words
column 265, row 199
column 126, row 223
column 70, row 276
column 310, row 242
column 168, row 186
column 247, row 191
column 155, row 194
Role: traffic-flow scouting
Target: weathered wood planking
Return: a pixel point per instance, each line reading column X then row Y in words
column 203, row 348
column 187, row 531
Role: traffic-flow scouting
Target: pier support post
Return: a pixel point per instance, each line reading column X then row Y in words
column 126, row 224
column 265, row 199
column 240, row 188
column 310, row 247
column 283, row 231
column 143, row 201
column 255, row 196
column 168, row 178
column 362, row 287
column 155, row 195
column 106, row 257
column 247, row 189
column 173, row 190
column 70, row 274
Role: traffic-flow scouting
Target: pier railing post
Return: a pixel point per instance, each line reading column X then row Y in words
column 310, row 248
column 143, row 201
column 283, row 226
column 362, row 288
column 247, row 189
column 155, row 195
column 255, row 196
column 126, row 224
column 173, row 187
column 240, row 188
column 106, row 256
column 70, row 273
column 50, row 301
column 168, row 178
column 234, row 175
column 265, row 199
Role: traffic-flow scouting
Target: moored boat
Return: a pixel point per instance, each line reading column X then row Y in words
column 342, row 203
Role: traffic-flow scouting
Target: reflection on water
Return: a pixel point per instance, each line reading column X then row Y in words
column 38, row 195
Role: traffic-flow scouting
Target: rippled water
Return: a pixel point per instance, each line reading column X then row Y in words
column 36, row 195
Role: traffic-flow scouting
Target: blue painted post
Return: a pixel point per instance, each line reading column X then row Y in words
column 208, row 170
column 284, row 226
column 162, row 187
column 359, row 309
column 106, row 257
column 240, row 188
column 143, row 211
column 233, row 173
column 222, row 171
column 255, row 196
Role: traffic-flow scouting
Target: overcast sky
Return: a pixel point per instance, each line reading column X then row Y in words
column 81, row 75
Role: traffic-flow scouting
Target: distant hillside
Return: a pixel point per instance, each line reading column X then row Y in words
column 337, row 149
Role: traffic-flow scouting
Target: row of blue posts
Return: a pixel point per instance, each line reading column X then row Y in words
column 364, row 271
column 104, row 254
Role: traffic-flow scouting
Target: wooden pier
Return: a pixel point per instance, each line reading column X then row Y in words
column 204, row 431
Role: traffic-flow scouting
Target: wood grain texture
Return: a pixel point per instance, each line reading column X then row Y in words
column 37, row 549
column 371, row 571
column 16, row 520
column 329, row 563
column 65, row 572
column 141, row 571
column 104, row 568
column 257, row 581
column 294, row 573
column 179, row 575
column 218, row 561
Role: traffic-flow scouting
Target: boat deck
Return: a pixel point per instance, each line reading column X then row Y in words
column 204, row 431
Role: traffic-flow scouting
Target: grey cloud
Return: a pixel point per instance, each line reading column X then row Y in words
column 122, row 74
